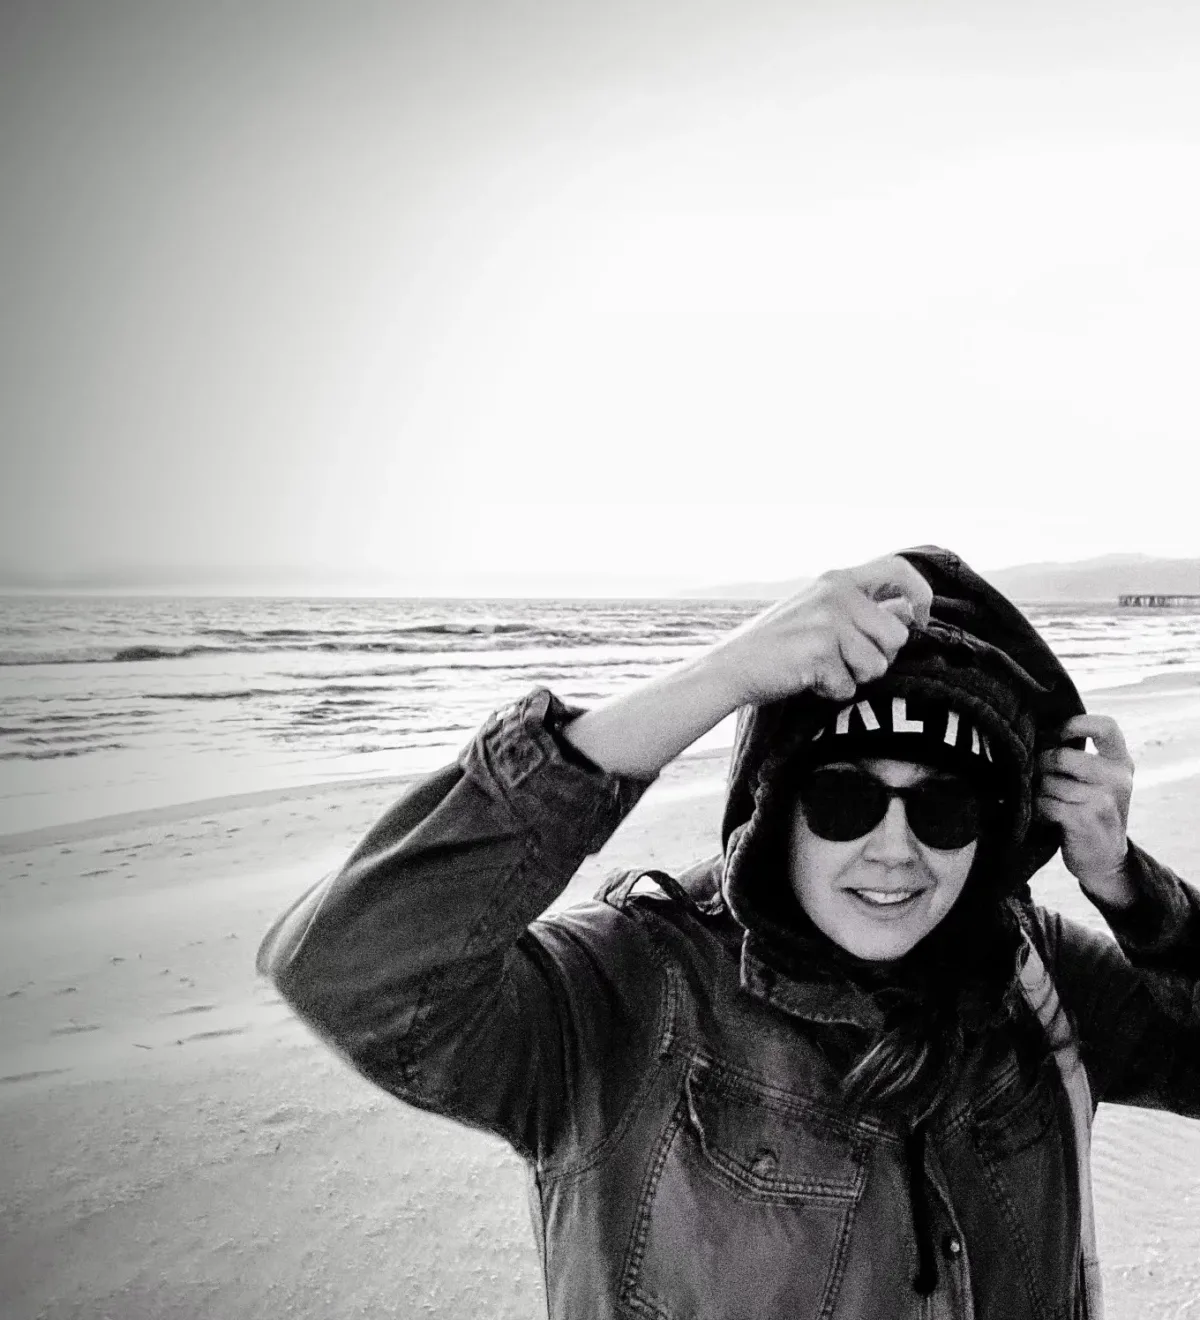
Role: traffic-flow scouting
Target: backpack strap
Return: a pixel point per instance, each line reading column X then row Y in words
column 1043, row 1000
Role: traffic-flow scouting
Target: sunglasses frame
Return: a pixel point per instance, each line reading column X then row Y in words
column 887, row 792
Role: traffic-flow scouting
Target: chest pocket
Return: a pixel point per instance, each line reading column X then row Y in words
column 1013, row 1122
column 746, row 1208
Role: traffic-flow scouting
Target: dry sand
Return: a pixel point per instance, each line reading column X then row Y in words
column 176, row 1145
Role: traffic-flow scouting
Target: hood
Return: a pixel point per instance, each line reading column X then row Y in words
column 978, row 652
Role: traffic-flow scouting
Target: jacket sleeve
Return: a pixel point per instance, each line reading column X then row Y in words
column 1135, row 1000
column 422, row 962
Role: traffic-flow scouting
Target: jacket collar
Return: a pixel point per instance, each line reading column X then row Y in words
column 761, row 976
column 814, row 1001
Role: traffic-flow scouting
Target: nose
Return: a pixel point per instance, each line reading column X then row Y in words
column 890, row 841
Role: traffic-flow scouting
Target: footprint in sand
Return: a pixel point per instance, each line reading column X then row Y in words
column 284, row 1114
column 212, row 1035
column 29, row 1076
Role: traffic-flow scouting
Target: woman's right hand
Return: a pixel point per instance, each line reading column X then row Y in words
column 841, row 631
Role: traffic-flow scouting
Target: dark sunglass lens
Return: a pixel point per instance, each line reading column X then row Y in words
column 944, row 815
column 840, row 805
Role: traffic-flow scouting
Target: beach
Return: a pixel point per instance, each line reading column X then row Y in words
column 177, row 1145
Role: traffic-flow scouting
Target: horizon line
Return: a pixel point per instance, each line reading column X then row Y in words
column 295, row 583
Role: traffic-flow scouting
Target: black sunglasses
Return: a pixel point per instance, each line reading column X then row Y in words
column 841, row 803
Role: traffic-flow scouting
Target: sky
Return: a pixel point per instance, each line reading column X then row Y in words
column 474, row 296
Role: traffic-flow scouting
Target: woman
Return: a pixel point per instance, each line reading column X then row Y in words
column 824, row 1073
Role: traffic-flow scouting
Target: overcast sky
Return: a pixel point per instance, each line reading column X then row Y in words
column 484, row 296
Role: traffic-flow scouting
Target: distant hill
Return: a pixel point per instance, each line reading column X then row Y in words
column 1098, row 579
column 1102, row 579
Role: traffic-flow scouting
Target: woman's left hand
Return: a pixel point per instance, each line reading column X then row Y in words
column 1087, row 794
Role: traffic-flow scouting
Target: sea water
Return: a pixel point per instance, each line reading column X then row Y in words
column 124, row 703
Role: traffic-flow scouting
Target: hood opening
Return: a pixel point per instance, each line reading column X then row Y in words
column 1001, row 673
column 982, row 656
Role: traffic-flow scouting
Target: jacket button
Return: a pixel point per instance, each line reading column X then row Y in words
column 951, row 1245
column 765, row 1162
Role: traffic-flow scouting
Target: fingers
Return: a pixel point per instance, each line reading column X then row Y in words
column 1052, row 809
column 1086, row 767
column 839, row 632
column 886, row 623
column 1071, row 808
column 1104, row 732
column 1107, row 772
column 834, row 681
column 1088, row 793
column 1069, row 791
column 864, row 660
column 890, row 576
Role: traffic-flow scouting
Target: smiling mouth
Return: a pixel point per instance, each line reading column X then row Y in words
column 887, row 899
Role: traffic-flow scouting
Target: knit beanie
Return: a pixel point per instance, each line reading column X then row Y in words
column 921, row 728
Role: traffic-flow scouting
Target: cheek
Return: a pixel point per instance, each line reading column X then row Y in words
column 816, row 864
column 950, row 870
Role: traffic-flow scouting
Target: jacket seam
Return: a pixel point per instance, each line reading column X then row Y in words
column 636, row 1249
column 595, row 1154
column 1021, row 1239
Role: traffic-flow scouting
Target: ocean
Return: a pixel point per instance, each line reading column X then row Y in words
column 124, row 703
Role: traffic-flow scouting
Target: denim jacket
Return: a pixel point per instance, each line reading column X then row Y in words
column 688, row 1154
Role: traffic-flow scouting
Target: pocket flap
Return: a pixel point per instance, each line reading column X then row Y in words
column 771, row 1143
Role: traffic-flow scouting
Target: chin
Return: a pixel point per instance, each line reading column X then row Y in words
column 880, row 948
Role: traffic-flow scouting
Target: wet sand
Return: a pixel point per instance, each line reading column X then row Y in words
column 176, row 1145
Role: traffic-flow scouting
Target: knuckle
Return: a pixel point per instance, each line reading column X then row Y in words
column 841, row 686
column 896, row 632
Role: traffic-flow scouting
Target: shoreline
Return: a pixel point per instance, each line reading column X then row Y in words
column 391, row 786
column 1158, row 686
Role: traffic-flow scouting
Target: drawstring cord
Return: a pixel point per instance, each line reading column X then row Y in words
column 922, row 1217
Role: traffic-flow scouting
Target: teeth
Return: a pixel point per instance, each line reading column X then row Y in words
column 885, row 897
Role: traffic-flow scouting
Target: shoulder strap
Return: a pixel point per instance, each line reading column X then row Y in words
column 1042, row 998
column 618, row 887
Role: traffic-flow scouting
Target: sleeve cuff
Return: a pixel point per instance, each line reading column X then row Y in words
column 550, row 786
column 1156, row 918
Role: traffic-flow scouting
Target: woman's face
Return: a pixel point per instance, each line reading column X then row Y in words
column 877, row 895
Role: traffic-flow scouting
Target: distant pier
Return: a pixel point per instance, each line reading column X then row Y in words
column 1146, row 598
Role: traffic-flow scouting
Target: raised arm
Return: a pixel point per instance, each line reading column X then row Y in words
column 418, row 960
column 1136, row 1003
column 422, row 959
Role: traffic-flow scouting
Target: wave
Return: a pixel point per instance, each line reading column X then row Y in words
column 448, row 627
column 109, row 655
column 128, row 653
column 503, row 637
column 237, row 694
column 58, row 753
